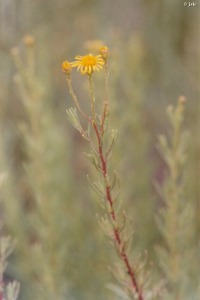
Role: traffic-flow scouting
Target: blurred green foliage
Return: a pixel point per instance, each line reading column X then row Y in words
column 48, row 207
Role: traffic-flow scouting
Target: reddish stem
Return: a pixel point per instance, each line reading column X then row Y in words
column 117, row 235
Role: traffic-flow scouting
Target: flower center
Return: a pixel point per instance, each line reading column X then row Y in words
column 89, row 60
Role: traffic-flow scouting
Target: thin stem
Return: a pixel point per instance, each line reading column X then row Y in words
column 31, row 61
column 105, row 102
column 73, row 95
column 92, row 98
column 118, row 239
column 106, row 84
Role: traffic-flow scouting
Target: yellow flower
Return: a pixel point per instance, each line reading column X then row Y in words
column 88, row 64
column 66, row 67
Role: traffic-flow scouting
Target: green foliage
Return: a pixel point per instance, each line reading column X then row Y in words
column 46, row 204
column 176, row 216
column 41, row 200
column 8, row 290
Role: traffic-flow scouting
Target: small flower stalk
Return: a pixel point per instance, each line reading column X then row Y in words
column 113, row 221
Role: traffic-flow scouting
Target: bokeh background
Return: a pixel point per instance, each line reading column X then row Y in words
column 154, row 59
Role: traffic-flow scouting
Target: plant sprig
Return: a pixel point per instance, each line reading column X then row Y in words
column 114, row 220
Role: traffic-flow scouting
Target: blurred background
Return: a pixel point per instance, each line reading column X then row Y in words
column 154, row 59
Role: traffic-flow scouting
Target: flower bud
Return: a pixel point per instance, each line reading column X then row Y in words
column 29, row 40
column 66, row 67
column 104, row 51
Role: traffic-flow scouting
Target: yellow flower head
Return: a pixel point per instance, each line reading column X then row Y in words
column 88, row 64
column 66, row 67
